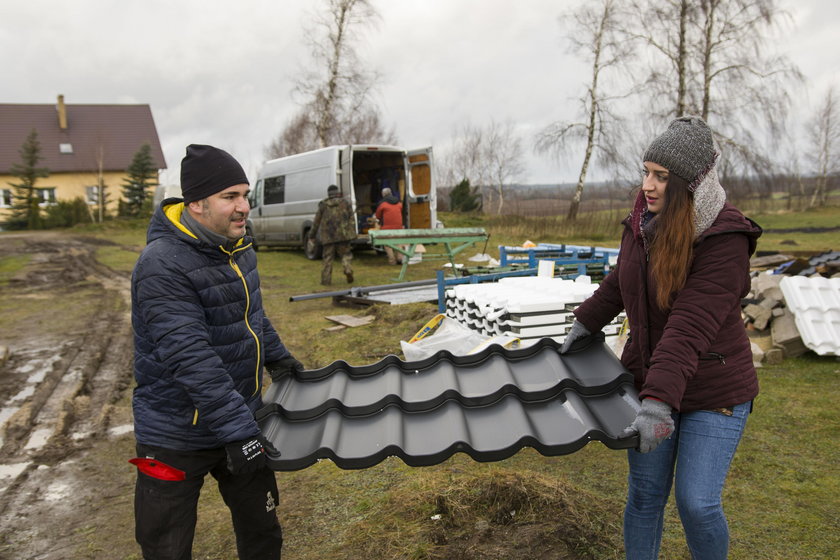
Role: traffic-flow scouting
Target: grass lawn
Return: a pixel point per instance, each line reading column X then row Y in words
column 782, row 497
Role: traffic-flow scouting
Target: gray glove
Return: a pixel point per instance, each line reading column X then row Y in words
column 653, row 423
column 577, row 332
column 283, row 367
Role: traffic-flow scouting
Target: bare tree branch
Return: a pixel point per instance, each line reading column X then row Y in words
column 727, row 78
column 824, row 136
column 489, row 158
column 336, row 89
column 595, row 34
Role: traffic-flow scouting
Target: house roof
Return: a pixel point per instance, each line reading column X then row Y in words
column 488, row 405
column 115, row 131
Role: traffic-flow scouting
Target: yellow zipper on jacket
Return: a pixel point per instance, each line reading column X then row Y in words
column 236, row 269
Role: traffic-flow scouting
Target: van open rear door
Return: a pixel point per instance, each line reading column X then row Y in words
column 345, row 180
column 421, row 189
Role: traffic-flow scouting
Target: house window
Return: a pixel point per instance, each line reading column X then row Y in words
column 5, row 198
column 92, row 193
column 65, row 148
column 46, row 197
column 275, row 190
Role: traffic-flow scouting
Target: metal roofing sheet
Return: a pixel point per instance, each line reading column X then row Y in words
column 817, row 261
column 815, row 304
column 488, row 405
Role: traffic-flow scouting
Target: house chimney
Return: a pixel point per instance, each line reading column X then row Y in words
column 62, row 113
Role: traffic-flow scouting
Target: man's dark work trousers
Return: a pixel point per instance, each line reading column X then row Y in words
column 165, row 510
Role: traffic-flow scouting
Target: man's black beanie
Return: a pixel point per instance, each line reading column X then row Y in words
column 206, row 170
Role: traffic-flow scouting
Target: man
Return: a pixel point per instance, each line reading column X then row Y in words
column 334, row 228
column 389, row 215
column 201, row 339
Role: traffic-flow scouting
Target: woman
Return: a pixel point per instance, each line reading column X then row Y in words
column 681, row 273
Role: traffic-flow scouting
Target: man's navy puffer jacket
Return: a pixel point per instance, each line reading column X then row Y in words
column 200, row 336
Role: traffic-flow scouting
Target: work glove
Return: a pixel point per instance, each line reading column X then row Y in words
column 249, row 455
column 653, row 423
column 283, row 367
column 577, row 332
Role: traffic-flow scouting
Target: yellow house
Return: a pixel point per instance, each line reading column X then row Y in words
column 82, row 146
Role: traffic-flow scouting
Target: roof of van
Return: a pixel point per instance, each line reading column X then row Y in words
column 323, row 153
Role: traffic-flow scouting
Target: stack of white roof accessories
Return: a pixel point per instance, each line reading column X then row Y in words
column 526, row 307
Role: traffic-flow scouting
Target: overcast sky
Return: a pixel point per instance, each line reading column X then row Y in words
column 221, row 72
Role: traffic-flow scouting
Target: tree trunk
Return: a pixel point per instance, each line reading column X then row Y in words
column 574, row 207
column 681, row 59
column 708, row 33
column 100, row 184
column 326, row 118
column 501, row 201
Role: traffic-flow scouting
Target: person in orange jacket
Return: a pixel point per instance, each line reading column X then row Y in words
column 389, row 213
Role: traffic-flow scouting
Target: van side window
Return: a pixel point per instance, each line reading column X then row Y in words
column 275, row 190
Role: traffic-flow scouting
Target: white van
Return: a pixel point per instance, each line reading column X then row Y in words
column 288, row 189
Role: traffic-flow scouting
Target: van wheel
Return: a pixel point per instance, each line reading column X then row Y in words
column 311, row 248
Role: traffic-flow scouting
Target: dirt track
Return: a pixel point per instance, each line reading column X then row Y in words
column 66, row 365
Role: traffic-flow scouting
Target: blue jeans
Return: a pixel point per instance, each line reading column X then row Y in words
column 697, row 456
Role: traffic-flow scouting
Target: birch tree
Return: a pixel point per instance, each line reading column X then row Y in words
column 503, row 153
column 335, row 89
column 663, row 28
column 101, row 186
column 488, row 157
column 712, row 58
column 464, row 159
column 594, row 33
column 824, row 153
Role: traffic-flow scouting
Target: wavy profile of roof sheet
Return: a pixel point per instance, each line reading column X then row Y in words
column 488, row 405
column 815, row 304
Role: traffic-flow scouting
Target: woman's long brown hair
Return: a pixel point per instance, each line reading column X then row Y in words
column 671, row 250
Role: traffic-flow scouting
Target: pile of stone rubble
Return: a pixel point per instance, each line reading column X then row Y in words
column 777, row 326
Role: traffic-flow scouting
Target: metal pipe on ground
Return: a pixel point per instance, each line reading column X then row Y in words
column 357, row 291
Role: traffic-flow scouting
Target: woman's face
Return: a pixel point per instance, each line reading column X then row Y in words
column 654, row 182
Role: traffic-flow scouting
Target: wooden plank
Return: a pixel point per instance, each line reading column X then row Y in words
column 769, row 260
column 350, row 321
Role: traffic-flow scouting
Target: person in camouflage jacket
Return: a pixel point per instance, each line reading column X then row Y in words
column 334, row 228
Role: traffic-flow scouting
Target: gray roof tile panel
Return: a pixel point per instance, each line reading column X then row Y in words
column 474, row 380
column 557, row 426
column 815, row 261
column 488, row 405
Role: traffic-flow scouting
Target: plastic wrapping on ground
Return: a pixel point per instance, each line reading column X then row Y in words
column 453, row 337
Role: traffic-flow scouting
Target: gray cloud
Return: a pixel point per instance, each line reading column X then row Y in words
column 222, row 72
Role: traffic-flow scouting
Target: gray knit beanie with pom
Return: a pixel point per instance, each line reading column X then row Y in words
column 686, row 149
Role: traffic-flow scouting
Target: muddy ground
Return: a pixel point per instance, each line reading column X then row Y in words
column 66, row 488
column 66, row 351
